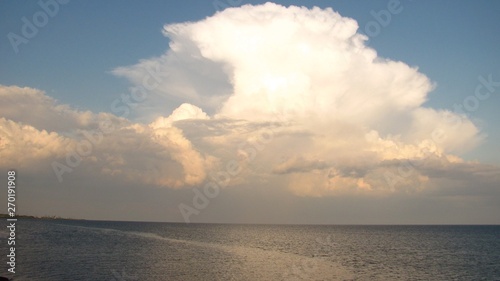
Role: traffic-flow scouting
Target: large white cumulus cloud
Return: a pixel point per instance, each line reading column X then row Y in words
column 283, row 60
column 292, row 95
column 343, row 119
column 297, row 64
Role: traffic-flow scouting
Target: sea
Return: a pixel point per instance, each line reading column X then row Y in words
column 125, row 251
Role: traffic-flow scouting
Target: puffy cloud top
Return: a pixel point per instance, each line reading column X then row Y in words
column 342, row 116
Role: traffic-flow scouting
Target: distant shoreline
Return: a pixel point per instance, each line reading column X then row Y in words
column 3, row 216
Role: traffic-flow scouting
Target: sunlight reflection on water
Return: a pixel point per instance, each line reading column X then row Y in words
column 90, row 250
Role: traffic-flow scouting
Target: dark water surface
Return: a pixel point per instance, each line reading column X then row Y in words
column 123, row 251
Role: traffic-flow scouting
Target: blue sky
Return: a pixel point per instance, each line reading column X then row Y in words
column 91, row 52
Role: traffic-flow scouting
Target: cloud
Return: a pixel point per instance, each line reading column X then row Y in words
column 23, row 146
column 185, row 111
column 292, row 95
column 36, row 132
column 342, row 119
column 299, row 164
column 159, row 156
column 32, row 106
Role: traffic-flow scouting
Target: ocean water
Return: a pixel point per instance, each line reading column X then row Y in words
column 123, row 251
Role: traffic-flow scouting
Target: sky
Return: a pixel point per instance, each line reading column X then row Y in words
column 233, row 111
